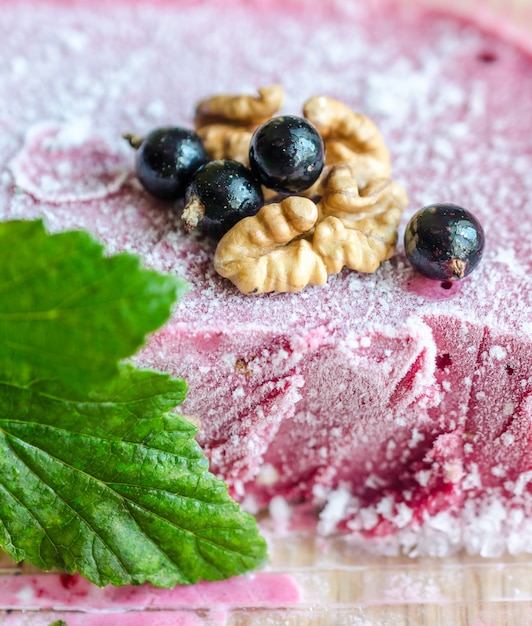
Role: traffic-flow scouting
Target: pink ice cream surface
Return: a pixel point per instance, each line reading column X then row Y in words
column 398, row 406
column 80, row 603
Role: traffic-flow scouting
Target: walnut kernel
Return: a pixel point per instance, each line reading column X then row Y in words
column 240, row 109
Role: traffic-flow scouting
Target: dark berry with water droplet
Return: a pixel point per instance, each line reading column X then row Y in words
column 444, row 242
column 166, row 159
column 220, row 194
column 287, row 154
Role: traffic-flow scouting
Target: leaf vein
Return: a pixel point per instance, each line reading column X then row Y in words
column 72, row 509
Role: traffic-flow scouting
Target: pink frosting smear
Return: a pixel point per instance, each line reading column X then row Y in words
column 398, row 408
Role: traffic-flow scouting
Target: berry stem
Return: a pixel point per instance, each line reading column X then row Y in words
column 134, row 141
column 193, row 213
column 458, row 267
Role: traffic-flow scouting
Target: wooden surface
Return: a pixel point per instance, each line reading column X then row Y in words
column 339, row 586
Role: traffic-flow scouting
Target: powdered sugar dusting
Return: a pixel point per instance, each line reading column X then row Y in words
column 401, row 406
column 66, row 163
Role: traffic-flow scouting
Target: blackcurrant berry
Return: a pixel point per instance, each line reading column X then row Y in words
column 444, row 242
column 166, row 159
column 287, row 154
column 220, row 194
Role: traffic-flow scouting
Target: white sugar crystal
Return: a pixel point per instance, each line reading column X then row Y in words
column 508, row 439
column 75, row 40
column 280, row 511
column 498, row 353
column 508, row 409
column 335, row 510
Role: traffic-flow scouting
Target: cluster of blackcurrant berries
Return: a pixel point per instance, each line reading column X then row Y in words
column 286, row 155
column 442, row 241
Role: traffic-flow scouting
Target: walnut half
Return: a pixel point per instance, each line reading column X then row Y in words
column 289, row 245
column 266, row 252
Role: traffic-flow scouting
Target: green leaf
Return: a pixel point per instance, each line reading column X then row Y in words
column 67, row 311
column 97, row 473
column 113, row 485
